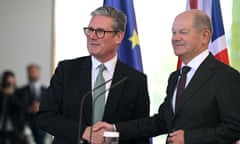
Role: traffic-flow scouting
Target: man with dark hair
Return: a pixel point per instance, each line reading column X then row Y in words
column 11, row 126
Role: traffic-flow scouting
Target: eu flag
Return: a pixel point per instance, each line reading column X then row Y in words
column 129, row 50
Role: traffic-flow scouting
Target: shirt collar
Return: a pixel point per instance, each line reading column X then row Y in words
column 35, row 84
column 195, row 62
column 110, row 65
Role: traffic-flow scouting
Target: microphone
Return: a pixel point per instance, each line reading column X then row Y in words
column 94, row 100
column 79, row 140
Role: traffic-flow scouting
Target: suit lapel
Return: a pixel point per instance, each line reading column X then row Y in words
column 115, row 93
column 83, row 78
column 200, row 77
column 171, row 87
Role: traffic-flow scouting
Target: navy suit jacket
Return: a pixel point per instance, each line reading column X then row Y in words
column 209, row 111
column 60, row 108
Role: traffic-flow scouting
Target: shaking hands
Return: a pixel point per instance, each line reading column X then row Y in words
column 94, row 134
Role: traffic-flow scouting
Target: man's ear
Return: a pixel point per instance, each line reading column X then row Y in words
column 206, row 36
column 119, row 37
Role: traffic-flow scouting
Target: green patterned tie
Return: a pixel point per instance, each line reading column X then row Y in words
column 98, row 106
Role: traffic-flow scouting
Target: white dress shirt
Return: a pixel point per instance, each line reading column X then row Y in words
column 194, row 64
column 107, row 73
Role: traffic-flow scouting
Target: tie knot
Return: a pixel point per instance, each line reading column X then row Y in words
column 185, row 69
column 101, row 68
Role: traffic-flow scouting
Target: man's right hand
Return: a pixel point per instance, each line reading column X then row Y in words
column 103, row 125
column 97, row 132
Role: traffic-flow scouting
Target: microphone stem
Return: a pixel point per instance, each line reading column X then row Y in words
column 91, row 130
column 79, row 139
column 94, row 100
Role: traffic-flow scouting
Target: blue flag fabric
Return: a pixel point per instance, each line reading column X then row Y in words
column 129, row 50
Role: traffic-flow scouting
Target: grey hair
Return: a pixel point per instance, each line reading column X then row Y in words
column 119, row 18
column 201, row 22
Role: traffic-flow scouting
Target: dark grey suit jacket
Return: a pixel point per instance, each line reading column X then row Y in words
column 209, row 111
column 60, row 107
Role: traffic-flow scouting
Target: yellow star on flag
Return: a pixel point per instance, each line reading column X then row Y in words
column 134, row 39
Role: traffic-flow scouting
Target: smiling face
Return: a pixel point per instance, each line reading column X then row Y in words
column 104, row 48
column 186, row 40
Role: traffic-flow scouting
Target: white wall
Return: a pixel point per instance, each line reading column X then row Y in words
column 26, row 37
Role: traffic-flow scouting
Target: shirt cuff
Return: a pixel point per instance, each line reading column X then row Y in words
column 114, row 127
